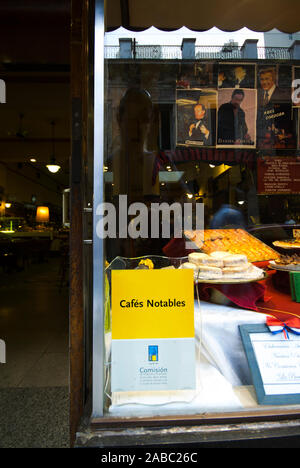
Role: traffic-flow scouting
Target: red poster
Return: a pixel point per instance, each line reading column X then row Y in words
column 278, row 175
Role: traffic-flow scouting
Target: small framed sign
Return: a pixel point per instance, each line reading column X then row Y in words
column 274, row 363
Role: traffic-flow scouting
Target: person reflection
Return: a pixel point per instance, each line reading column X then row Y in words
column 228, row 216
column 133, row 164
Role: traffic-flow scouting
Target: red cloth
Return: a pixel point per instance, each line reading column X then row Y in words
column 280, row 305
column 261, row 297
column 176, row 248
column 245, row 295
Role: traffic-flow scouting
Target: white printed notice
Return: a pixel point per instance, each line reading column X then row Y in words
column 278, row 360
column 153, row 335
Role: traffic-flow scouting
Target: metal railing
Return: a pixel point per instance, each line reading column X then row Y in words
column 169, row 52
column 278, row 53
column 218, row 52
column 111, row 52
column 158, row 52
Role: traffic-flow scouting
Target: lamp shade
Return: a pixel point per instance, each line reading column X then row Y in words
column 42, row 214
column 53, row 168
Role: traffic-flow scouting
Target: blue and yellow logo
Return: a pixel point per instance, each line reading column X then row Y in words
column 152, row 353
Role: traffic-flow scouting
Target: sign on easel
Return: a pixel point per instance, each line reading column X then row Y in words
column 274, row 362
column 153, row 335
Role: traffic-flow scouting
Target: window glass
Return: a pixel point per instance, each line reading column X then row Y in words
column 201, row 174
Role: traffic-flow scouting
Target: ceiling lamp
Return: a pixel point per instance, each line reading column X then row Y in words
column 53, row 167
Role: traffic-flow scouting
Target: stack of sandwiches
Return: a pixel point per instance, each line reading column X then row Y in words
column 218, row 265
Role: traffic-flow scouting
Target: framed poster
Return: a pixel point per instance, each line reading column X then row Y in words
column 196, row 117
column 236, row 75
column 274, row 362
column 276, row 126
column 236, row 118
column 197, row 75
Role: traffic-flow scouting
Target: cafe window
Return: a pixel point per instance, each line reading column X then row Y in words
column 199, row 226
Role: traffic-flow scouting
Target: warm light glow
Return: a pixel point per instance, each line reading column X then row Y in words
column 212, row 166
column 7, row 205
column 32, row 160
column 53, row 168
column 189, row 195
column 241, row 202
column 42, row 214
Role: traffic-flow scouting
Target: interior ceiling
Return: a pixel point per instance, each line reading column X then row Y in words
column 229, row 15
column 35, row 65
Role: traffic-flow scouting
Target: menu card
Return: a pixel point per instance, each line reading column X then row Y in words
column 278, row 361
column 278, row 175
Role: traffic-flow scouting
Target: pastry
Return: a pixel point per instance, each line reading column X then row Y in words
column 209, row 272
column 220, row 254
column 190, row 266
column 204, row 259
column 235, row 260
column 237, row 271
column 288, row 260
column 197, row 257
column 288, row 244
column 235, row 241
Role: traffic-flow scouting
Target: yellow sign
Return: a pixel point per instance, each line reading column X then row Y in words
column 152, row 304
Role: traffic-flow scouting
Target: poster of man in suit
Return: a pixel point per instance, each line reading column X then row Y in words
column 196, row 117
column 275, row 126
column 236, row 75
column 236, row 122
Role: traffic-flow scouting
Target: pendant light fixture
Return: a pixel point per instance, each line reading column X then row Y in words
column 53, row 167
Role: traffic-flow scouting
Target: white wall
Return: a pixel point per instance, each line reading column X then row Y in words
column 275, row 38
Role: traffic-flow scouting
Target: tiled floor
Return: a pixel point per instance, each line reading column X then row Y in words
column 34, row 326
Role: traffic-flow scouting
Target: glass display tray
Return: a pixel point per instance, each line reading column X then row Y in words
column 124, row 263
